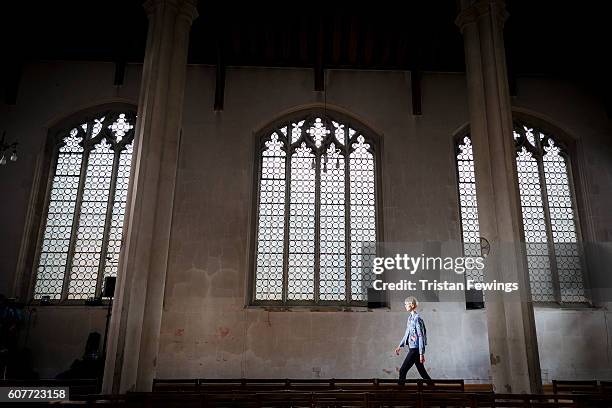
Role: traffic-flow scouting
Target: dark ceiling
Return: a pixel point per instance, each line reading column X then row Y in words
column 550, row 38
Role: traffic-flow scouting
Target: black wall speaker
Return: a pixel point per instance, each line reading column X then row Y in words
column 474, row 299
column 109, row 287
column 376, row 299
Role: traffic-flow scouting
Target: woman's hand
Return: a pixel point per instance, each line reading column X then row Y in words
column 422, row 358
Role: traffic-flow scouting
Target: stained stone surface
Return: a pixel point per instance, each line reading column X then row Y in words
column 206, row 329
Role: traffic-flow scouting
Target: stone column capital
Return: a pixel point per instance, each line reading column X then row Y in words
column 186, row 9
column 471, row 12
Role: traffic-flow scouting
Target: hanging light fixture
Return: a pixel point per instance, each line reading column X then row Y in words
column 5, row 148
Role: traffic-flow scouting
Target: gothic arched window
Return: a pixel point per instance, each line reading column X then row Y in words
column 550, row 226
column 83, row 221
column 316, row 213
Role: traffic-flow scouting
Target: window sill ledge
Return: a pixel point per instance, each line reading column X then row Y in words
column 563, row 307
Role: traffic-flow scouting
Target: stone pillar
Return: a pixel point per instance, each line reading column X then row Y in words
column 135, row 324
column 513, row 347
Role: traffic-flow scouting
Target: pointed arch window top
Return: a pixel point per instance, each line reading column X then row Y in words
column 549, row 215
column 536, row 141
column 82, row 227
column 316, row 214
column 319, row 132
column 117, row 128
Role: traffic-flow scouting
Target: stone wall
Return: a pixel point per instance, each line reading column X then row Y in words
column 207, row 332
column 48, row 93
column 206, row 329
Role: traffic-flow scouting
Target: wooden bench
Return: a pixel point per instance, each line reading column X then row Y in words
column 575, row 387
column 522, row 400
column 213, row 385
column 384, row 397
column 606, row 387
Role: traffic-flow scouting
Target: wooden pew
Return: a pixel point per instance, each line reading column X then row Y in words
column 575, row 387
column 384, row 397
column 606, row 387
column 209, row 385
column 542, row 401
column 447, row 399
column 165, row 385
column 164, row 400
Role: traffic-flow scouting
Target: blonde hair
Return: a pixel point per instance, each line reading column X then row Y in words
column 411, row 300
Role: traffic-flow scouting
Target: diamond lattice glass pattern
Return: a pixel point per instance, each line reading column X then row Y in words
column 469, row 206
column 563, row 225
column 549, row 216
column 332, row 280
column 115, row 235
column 90, row 233
column 60, row 217
column 363, row 218
column 557, row 271
column 302, row 253
column 534, row 227
column 86, row 208
column 302, row 225
column 548, row 213
column 270, row 237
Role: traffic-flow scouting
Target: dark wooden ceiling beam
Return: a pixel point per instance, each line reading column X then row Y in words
column 368, row 48
column 219, row 71
column 336, row 48
column 303, row 41
column 353, row 41
column 319, row 69
column 219, row 87
column 402, row 49
column 511, row 71
column 12, row 79
column 119, row 77
column 417, row 97
column 415, row 61
column 607, row 90
column 286, row 40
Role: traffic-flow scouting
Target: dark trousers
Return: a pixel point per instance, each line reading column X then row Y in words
column 413, row 357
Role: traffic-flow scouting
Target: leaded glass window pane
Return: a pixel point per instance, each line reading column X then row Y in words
column 270, row 237
column 363, row 218
column 548, row 214
column 118, row 212
column 60, row 217
column 306, row 204
column 302, row 225
column 332, row 232
column 92, row 218
column 83, row 223
column 534, row 227
column 563, row 225
column 470, row 230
